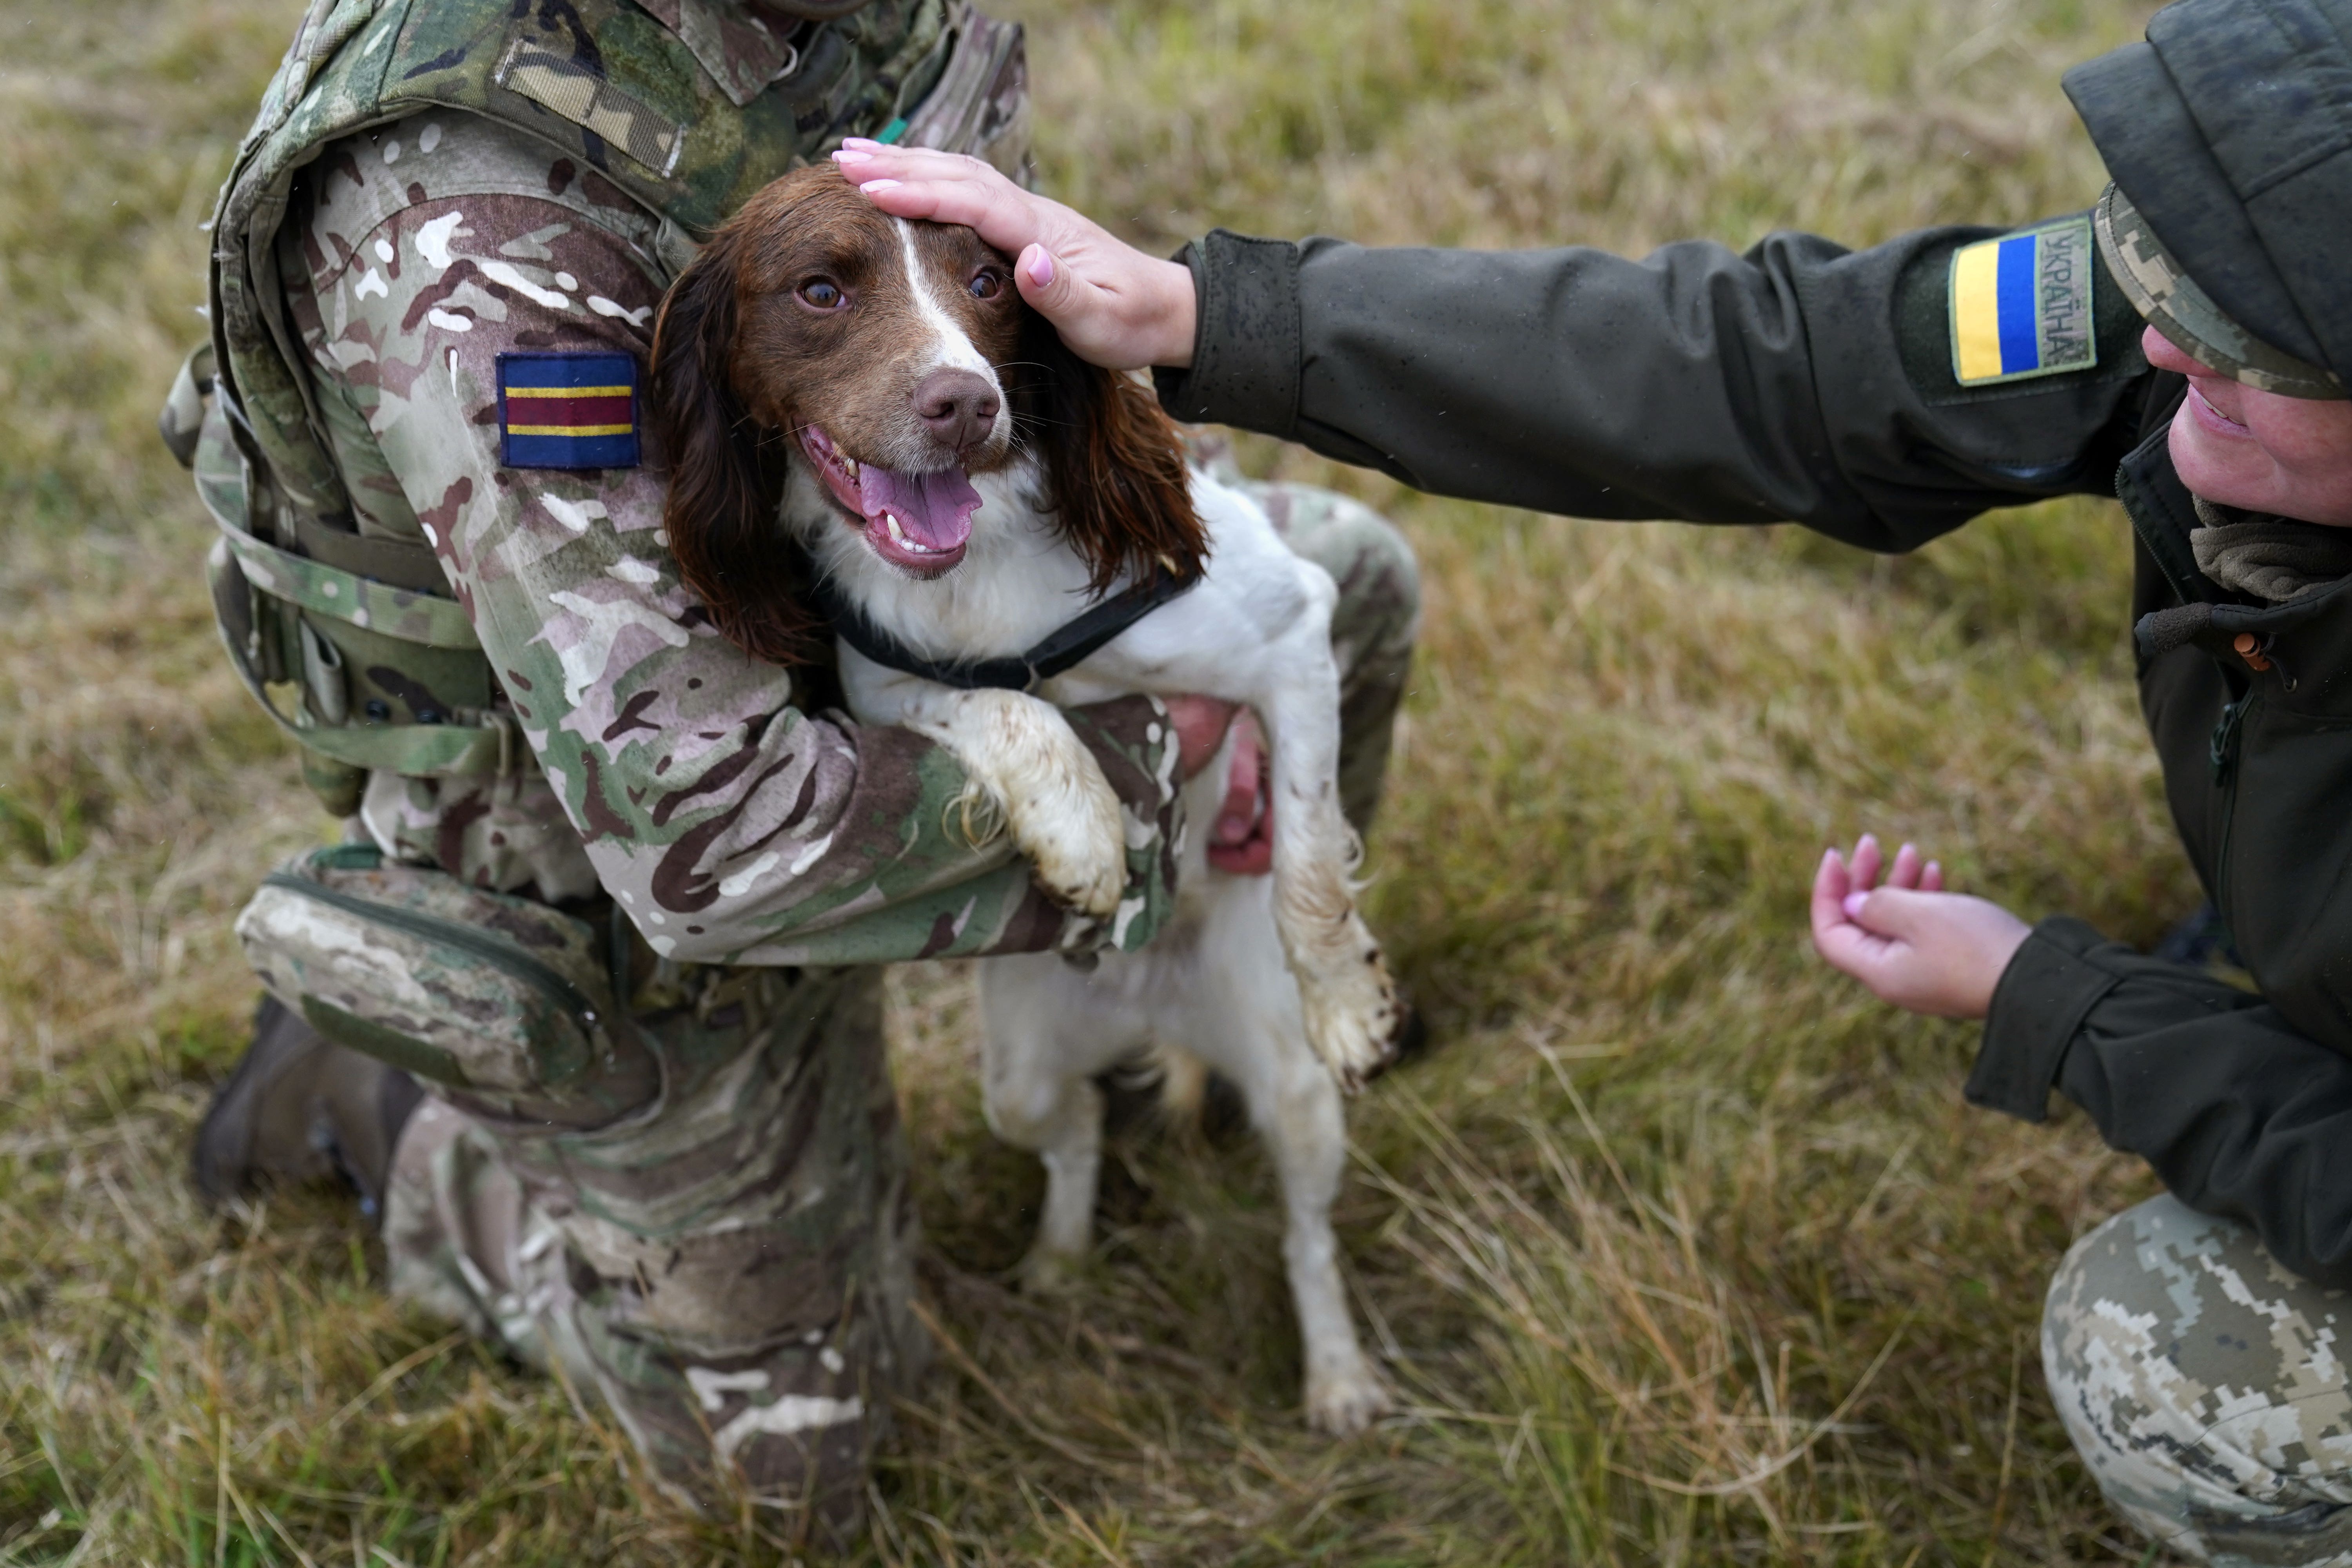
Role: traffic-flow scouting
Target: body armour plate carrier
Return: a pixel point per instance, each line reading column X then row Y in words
column 300, row 595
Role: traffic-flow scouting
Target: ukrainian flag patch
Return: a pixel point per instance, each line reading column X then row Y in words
column 568, row 411
column 2021, row 305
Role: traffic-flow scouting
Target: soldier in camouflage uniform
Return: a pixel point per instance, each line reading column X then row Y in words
column 710, row 1222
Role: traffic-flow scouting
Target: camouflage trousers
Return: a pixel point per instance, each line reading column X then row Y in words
column 2204, row 1387
column 730, row 1269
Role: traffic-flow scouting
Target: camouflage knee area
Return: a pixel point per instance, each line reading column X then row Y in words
column 732, row 1271
column 1372, row 627
column 2200, row 1381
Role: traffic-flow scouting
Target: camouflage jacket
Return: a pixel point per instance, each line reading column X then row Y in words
column 672, row 769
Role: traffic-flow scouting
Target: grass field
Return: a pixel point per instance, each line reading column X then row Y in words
column 1681, row 1250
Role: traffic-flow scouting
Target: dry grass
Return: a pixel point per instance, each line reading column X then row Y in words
column 1681, row 1250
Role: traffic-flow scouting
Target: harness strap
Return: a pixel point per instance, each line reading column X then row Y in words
column 245, row 570
column 341, row 596
column 477, row 742
column 401, row 562
column 1065, row 647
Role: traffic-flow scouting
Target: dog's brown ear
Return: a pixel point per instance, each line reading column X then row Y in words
column 1114, row 463
column 726, row 474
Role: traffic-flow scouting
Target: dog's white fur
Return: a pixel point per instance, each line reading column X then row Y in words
column 1213, row 983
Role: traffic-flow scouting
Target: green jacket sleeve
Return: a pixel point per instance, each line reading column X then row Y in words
column 1800, row 382
column 2240, row 1113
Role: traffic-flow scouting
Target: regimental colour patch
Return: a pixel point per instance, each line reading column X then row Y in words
column 2021, row 304
column 568, row 411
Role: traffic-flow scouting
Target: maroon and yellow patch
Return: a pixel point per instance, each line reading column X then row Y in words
column 568, row 410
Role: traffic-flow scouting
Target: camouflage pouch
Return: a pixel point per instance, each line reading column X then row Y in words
column 502, row 1003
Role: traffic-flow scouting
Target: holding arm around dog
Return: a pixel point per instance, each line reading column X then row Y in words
column 728, row 820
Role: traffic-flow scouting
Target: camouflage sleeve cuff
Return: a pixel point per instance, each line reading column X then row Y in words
column 2045, row 996
column 1135, row 743
column 1246, row 349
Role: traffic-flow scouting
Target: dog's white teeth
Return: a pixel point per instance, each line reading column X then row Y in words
column 899, row 537
column 850, row 463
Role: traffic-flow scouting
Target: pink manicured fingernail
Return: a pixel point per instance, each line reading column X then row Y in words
column 862, row 143
column 870, row 186
column 1852, row 906
column 850, row 155
column 1041, row 271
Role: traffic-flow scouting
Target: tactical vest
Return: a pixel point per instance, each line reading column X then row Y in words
column 302, row 598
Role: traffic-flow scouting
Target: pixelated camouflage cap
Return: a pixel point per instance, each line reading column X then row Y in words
column 2162, row 291
column 2229, row 136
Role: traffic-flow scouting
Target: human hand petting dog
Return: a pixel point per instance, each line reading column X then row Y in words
column 1911, row 943
column 1114, row 305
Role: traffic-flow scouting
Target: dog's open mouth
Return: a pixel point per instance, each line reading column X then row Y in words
column 919, row 522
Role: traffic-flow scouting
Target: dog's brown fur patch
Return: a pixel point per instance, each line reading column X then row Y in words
column 742, row 360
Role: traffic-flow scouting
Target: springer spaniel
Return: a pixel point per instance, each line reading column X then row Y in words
column 954, row 484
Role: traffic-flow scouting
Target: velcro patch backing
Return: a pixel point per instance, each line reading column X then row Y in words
column 568, row 411
column 2021, row 304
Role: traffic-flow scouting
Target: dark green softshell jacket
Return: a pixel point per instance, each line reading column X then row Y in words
column 1802, row 382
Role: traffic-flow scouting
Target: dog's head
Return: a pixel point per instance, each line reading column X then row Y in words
column 895, row 360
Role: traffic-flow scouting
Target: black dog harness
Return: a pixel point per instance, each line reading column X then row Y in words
column 1064, row 646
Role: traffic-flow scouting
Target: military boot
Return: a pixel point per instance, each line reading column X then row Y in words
column 299, row 1109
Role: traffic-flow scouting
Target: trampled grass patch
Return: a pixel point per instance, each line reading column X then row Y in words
column 1679, row 1250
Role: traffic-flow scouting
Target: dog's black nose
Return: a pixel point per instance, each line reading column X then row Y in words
column 959, row 406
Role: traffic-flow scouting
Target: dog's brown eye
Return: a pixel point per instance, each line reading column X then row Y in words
column 821, row 294
column 986, row 285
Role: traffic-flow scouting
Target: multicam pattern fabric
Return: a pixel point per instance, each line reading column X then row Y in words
column 732, row 825
column 596, row 83
column 2204, row 1385
column 731, row 1271
column 501, row 1002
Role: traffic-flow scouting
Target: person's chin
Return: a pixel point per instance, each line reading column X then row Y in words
column 2225, row 470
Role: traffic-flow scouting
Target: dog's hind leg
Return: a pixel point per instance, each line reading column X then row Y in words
column 1250, row 1030
column 1350, row 1006
column 1043, row 1041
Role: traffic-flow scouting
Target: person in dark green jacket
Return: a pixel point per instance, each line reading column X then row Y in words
column 2183, row 345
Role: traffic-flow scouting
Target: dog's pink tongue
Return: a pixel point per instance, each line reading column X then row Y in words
column 935, row 509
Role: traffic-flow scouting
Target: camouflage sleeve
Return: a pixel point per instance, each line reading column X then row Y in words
column 729, row 823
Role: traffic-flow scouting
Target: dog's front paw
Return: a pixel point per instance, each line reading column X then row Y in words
column 1343, row 1401
column 1076, row 838
column 1354, row 1018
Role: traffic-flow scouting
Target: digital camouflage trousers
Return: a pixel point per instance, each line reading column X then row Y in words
column 731, row 1269
column 2204, row 1386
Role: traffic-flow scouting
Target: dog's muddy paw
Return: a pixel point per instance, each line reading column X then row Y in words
column 1354, row 1025
column 1075, row 883
column 1343, row 1403
column 1077, row 849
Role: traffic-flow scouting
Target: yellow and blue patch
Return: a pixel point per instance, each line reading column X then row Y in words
column 2021, row 305
column 568, row 410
